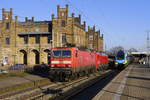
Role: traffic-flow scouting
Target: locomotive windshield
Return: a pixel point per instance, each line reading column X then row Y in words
column 120, row 55
column 61, row 53
column 66, row 53
column 57, row 53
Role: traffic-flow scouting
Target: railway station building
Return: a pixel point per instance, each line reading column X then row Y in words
column 68, row 29
column 29, row 42
column 94, row 39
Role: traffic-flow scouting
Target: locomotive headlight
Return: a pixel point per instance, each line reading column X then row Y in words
column 125, row 62
column 68, row 65
column 116, row 63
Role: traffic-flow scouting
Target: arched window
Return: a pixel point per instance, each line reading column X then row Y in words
column 7, row 26
column 63, row 23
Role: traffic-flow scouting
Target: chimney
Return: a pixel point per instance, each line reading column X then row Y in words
column 11, row 10
column 84, row 23
column 32, row 19
column 58, row 7
column 67, row 6
column 88, row 28
column 94, row 27
column 16, row 18
column 67, row 10
column 79, row 18
column 98, row 32
column 52, row 16
column 72, row 14
column 102, row 35
column 3, row 11
column 26, row 19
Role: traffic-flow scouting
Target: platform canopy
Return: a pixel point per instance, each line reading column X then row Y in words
column 139, row 54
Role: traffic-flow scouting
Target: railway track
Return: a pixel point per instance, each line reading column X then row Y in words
column 77, row 88
column 8, row 95
column 66, row 90
column 89, row 92
column 59, row 90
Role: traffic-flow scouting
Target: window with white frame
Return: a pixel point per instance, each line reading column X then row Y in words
column 7, row 40
column 64, row 39
column 91, row 46
column 90, row 37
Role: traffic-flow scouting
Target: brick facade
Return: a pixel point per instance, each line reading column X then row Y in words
column 24, row 42
column 94, row 39
column 68, row 29
column 30, row 41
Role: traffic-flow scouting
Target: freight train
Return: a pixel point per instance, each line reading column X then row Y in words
column 70, row 62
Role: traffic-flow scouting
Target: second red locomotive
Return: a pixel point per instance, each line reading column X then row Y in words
column 67, row 63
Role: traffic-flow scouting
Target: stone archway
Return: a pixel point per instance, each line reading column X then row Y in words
column 46, row 55
column 34, row 57
column 23, row 57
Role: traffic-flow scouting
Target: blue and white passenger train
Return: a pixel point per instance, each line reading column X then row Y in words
column 121, row 59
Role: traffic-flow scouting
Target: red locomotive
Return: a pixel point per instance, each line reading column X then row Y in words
column 103, row 61
column 67, row 63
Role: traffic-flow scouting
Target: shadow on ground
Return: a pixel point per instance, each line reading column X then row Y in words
column 40, row 70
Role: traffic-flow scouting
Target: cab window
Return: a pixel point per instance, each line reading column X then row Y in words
column 56, row 53
column 66, row 53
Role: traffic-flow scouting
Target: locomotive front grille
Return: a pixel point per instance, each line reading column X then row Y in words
column 60, row 69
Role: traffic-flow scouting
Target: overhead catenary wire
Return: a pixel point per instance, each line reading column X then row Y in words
column 86, row 17
column 90, row 19
column 72, row 7
column 82, row 13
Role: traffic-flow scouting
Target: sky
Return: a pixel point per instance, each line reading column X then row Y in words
column 123, row 22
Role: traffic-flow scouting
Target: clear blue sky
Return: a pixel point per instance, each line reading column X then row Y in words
column 123, row 22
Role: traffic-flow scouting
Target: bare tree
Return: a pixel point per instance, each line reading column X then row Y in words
column 132, row 50
column 114, row 50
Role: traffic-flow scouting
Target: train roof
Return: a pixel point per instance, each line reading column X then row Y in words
column 64, row 48
column 102, row 54
column 77, row 48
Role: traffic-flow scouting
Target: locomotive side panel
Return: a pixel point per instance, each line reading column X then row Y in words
column 86, row 60
column 103, row 59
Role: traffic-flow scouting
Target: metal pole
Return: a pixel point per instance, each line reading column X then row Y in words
column 15, row 40
column 40, row 48
column 27, row 45
column 148, row 48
